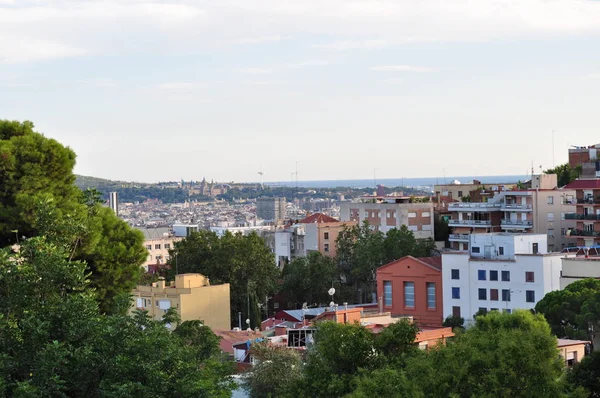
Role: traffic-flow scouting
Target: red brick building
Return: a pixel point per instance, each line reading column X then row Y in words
column 412, row 287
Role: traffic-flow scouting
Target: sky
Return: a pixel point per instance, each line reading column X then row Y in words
column 163, row 90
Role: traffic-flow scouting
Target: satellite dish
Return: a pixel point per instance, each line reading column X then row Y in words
column 331, row 304
column 331, row 291
column 304, row 306
column 248, row 321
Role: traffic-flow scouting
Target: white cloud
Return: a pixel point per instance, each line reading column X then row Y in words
column 98, row 82
column 255, row 71
column 345, row 45
column 178, row 86
column 257, row 39
column 402, row 68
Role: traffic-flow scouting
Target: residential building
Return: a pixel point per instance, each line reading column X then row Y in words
column 183, row 230
column 582, row 155
column 573, row 351
column 412, row 286
column 192, row 295
column 387, row 212
column 501, row 272
column 321, row 233
column 271, row 209
column 287, row 244
column 586, row 214
column 113, row 202
column 457, row 191
column 576, row 268
column 541, row 209
column 158, row 242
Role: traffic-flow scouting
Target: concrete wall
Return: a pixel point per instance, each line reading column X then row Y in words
column 574, row 269
column 211, row 304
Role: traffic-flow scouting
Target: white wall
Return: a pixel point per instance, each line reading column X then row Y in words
column 574, row 269
column 311, row 240
column 282, row 244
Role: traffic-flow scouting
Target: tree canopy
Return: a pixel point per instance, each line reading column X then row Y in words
column 243, row 261
column 565, row 173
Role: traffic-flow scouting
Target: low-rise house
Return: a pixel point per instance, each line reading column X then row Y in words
column 573, row 351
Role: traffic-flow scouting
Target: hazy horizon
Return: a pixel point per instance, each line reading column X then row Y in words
column 147, row 90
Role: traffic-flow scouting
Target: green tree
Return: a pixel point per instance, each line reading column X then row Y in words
column 340, row 350
column 565, row 173
column 243, row 261
column 501, row 355
column 441, row 229
column 278, row 371
column 586, row 374
column 307, row 279
column 571, row 311
column 396, row 342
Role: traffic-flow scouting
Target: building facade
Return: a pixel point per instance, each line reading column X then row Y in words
column 271, row 209
column 192, row 295
column 412, row 287
column 500, row 272
column 385, row 213
column 542, row 209
column 158, row 242
column 322, row 231
column 586, row 212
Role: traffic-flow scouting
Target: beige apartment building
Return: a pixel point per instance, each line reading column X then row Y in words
column 541, row 209
column 158, row 242
column 387, row 212
column 193, row 297
column 321, row 233
column 457, row 191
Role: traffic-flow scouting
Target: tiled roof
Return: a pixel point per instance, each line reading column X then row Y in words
column 584, row 184
column 317, row 218
column 435, row 262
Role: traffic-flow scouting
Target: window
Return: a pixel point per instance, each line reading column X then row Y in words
column 534, row 248
column 494, row 309
column 505, row 276
column 529, row 277
column 430, row 295
column 387, row 293
column 507, row 310
column 456, row 292
column 326, row 236
column 494, row 294
column 366, row 214
column 481, row 275
column 563, row 231
column 562, row 216
column 157, row 246
column 326, row 247
column 550, row 200
column 167, row 246
column 493, row 275
column 482, row 294
column 475, row 249
column 505, row 295
column 455, row 274
column 456, row 311
column 412, row 215
column 482, row 310
column 425, row 214
column 409, row 294
column 501, row 251
column 426, row 227
column 460, row 194
column 530, row 296
column 140, row 303
column 148, row 247
column 551, row 232
column 550, row 216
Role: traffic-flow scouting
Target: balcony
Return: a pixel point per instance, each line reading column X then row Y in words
column 458, row 237
column 588, row 201
column 575, row 216
column 514, row 224
column 516, row 207
column 579, row 232
column 469, row 223
column 467, row 206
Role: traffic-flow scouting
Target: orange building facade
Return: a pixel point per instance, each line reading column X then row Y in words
column 412, row 287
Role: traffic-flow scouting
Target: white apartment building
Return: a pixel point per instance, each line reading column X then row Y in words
column 500, row 272
column 385, row 213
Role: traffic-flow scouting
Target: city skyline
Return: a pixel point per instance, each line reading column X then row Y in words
column 155, row 90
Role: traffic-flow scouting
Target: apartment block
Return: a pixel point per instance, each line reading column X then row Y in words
column 586, row 214
column 385, row 213
column 192, row 295
column 322, row 231
column 457, row 191
column 271, row 209
column 541, row 209
column 158, row 242
column 412, row 287
column 581, row 155
column 500, row 272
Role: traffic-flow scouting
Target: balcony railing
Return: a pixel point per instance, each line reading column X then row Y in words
column 579, row 232
column 575, row 216
column 516, row 207
column 517, row 223
column 458, row 237
column 588, row 201
column 469, row 222
column 481, row 206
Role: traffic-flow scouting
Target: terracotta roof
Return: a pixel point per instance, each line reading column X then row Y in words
column 318, row 218
column 229, row 338
column 435, row 262
column 583, row 184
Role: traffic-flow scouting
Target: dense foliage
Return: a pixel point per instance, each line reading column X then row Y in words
column 37, row 193
column 307, row 280
column 571, row 312
column 243, row 261
column 502, row 355
column 565, row 173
